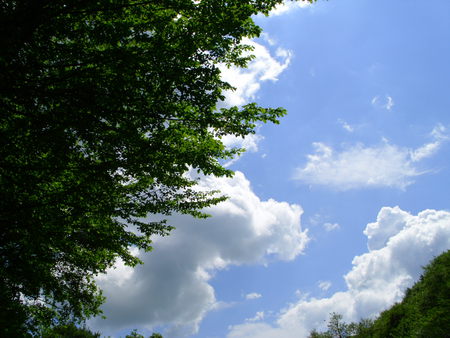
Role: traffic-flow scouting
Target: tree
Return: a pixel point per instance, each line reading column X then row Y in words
column 425, row 309
column 69, row 330
column 315, row 334
column 105, row 106
column 362, row 329
column 134, row 334
column 156, row 335
column 423, row 312
column 337, row 328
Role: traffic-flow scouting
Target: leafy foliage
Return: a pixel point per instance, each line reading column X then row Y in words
column 156, row 335
column 135, row 334
column 69, row 330
column 104, row 108
column 316, row 334
column 337, row 328
column 423, row 312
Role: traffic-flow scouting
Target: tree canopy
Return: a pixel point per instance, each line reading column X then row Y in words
column 105, row 106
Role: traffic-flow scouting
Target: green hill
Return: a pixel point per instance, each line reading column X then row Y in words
column 424, row 311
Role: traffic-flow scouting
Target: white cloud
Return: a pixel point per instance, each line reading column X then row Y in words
column 258, row 316
column 268, row 38
column 324, row 285
column 346, row 126
column 288, row 6
column 250, row 142
column 253, row 295
column 172, row 287
column 439, row 134
column 318, row 219
column 247, row 82
column 331, row 226
column 387, row 102
column 257, row 330
column 120, row 273
column 425, row 151
column 390, row 221
column 265, row 67
column 399, row 245
column 359, row 166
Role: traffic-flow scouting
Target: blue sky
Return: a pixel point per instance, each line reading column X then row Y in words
column 334, row 210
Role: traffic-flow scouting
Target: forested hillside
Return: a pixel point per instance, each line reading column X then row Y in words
column 423, row 312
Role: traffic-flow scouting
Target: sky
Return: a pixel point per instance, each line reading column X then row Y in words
column 338, row 208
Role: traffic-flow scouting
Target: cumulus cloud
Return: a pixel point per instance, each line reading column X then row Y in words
column 268, row 38
column 247, row 82
column 264, row 67
column 172, row 287
column 399, row 244
column 250, row 143
column 360, row 166
column 288, row 6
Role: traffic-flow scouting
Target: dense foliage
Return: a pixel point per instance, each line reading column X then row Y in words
column 425, row 309
column 69, row 330
column 73, row 331
column 424, row 312
column 104, row 108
